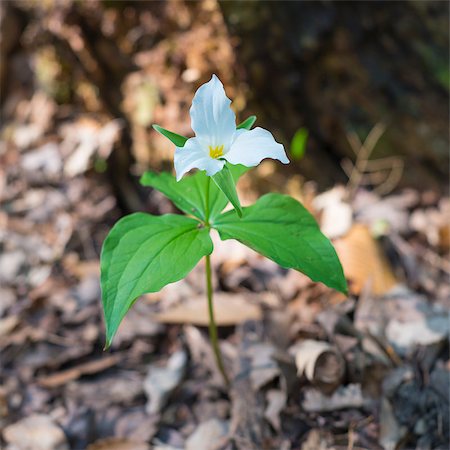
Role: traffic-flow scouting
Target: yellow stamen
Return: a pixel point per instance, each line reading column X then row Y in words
column 215, row 152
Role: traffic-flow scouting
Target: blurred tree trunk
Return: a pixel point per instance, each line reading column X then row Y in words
column 333, row 67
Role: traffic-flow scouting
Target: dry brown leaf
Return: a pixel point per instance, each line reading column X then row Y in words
column 276, row 402
column 364, row 262
column 118, row 444
column 161, row 381
column 229, row 309
column 63, row 377
column 8, row 324
column 36, row 432
column 209, row 435
column 4, row 408
column 349, row 396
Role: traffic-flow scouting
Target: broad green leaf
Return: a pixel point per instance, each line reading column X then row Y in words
column 177, row 139
column 298, row 143
column 189, row 194
column 247, row 123
column 225, row 182
column 280, row 228
column 143, row 253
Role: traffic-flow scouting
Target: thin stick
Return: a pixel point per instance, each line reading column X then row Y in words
column 362, row 152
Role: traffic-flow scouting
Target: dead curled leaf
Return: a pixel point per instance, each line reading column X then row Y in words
column 320, row 363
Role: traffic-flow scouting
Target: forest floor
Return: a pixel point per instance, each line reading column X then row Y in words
column 310, row 368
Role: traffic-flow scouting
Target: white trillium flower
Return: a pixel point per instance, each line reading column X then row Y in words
column 216, row 138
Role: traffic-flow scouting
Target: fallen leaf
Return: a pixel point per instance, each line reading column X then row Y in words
column 8, row 298
column 392, row 210
column 161, row 381
column 4, row 408
column 118, row 444
column 424, row 331
column 209, row 435
column 363, row 261
column 36, row 432
column 349, row 396
column 263, row 367
column 45, row 159
column 391, row 432
column 83, row 139
column 405, row 318
column 276, row 401
column 320, row 363
column 63, row 377
column 229, row 309
column 318, row 440
column 8, row 324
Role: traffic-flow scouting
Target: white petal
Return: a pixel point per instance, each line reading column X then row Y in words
column 212, row 119
column 193, row 155
column 251, row 147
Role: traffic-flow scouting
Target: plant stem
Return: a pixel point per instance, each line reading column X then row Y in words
column 208, row 183
column 209, row 291
column 212, row 323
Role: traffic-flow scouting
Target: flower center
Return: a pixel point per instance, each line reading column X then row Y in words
column 215, row 152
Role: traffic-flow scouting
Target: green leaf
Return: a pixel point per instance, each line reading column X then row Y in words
column 298, row 143
column 143, row 253
column 247, row 123
column 224, row 180
column 280, row 228
column 188, row 194
column 177, row 139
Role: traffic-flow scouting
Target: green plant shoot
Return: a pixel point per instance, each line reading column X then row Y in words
column 143, row 253
column 298, row 143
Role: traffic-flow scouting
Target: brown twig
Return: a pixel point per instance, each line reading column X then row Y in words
column 365, row 171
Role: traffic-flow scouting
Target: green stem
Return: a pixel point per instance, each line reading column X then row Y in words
column 212, row 323
column 209, row 290
column 208, row 183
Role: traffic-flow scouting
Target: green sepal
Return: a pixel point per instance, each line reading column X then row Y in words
column 177, row 139
column 225, row 182
column 247, row 123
